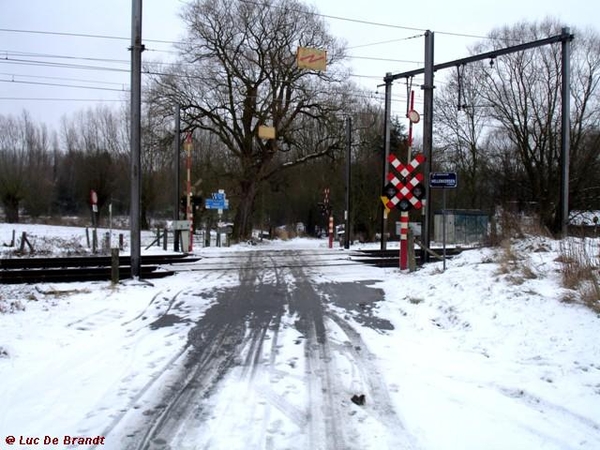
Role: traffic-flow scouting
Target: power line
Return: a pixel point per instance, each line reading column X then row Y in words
column 51, row 55
column 125, row 61
column 26, row 62
column 83, row 35
column 63, row 99
column 19, row 61
column 327, row 16
column 386, row 42
column 39, row 63
column 373, row 58
column 365, row 22
column 37, row 83
column 13, row 75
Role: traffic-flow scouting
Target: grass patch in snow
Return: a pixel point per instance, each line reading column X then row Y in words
column 580, row 272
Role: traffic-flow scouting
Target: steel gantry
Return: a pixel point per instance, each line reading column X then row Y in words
column 429, row 69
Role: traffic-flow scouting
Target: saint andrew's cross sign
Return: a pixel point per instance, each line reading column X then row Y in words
column 407, row 192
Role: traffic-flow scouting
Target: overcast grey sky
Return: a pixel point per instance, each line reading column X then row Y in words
column 35, row 57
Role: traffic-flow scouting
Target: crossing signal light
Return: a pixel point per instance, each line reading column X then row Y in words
column 419, row 191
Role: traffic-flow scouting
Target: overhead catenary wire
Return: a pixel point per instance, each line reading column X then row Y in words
column 39, row 83
column 55, row 56
column 11, row 54
column 326, row 16
column 82, row 35
column 44, row 77
column 390, row 41
column 172, row 42
column 365, row 22
column 123, row 70
column 63, row 99
column 25, row 57
column 41, row 63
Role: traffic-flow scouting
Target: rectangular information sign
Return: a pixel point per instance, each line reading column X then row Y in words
column 215, row 204
column 443, row 180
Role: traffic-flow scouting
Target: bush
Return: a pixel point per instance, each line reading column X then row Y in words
column 581, row 262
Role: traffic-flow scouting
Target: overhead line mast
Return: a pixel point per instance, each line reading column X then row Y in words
column 136, row 107
column 565, row 38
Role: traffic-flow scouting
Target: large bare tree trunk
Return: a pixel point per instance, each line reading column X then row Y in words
column 243, row 216
column 240, row 74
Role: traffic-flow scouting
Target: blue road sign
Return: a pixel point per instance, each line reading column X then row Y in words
column 443, row 180
column 215, row 204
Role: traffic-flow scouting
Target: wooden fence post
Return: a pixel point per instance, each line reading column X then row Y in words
column 412, row 263
column 114, row 272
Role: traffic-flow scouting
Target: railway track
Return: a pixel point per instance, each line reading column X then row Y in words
column 98, row 268
column 83, row 268
column 391, row 258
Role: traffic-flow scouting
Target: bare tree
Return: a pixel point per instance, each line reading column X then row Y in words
column 94, row 156
column 40, row 163
column 512, row 109
column 238, row 71
column 25, row 166
column 460, row 133
column 13, row 169
column 524, row 89
column 585, row 122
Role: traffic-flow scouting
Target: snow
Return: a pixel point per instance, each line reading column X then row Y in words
column 475, row 357
column 589, row 218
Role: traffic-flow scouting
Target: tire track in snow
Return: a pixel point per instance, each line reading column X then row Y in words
column 282, row 404
column 236, row 325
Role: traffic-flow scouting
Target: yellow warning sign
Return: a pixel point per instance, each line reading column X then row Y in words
column 385, row 201
column 311, row 58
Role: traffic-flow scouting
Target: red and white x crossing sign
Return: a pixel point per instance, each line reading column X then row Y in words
column 405, row 197
column 405, row 190
column 403, row 170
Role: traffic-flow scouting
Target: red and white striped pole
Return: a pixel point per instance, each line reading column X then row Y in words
column 404, row 240
column 404, row 214
column 328, row 211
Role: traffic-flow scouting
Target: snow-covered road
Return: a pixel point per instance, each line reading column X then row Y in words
column 269, row 366
column 264, row 347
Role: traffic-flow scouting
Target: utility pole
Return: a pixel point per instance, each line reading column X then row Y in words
column 136, row 106
column 386, row 151
column 565, row 133
column 348, row 178
column 176, row 148
column 427, row 140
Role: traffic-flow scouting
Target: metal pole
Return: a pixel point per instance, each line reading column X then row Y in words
column 404, row 217
column 444, row 226
column 565, row 133
column 348, row 177
column 386, row 151
column 136, row 106
column 176, row 150
column 427, row 139
column 488, row 55
column 331, row 231
column 110, row 225
column 188, row 166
